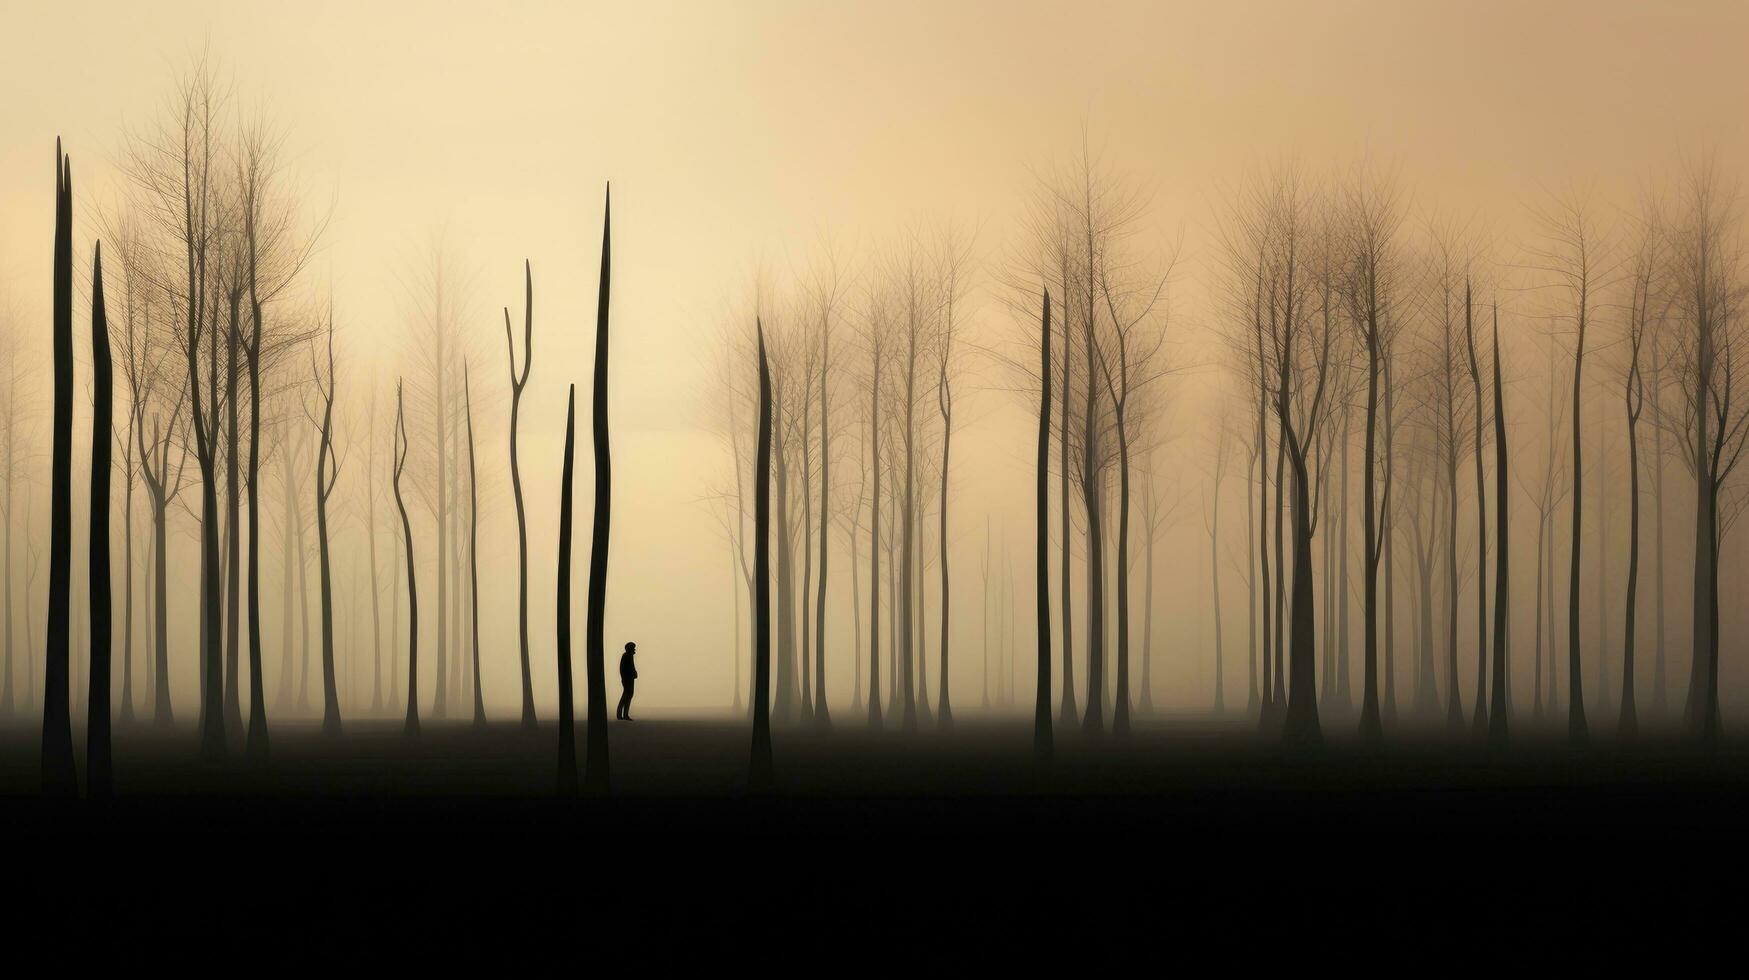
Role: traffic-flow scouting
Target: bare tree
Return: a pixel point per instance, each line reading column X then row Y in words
column 519, row 381
column 412, row 725
column 1572, row 261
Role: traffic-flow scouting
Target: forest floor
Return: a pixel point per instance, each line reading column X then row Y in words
column 951, row 844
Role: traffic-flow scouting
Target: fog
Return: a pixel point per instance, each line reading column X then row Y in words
column 757, row 150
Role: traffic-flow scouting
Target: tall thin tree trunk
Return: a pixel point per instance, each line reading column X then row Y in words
column 1497, row 707
column 412, row 725
column 99, row 771
column 473, row 551
column 1041, row 715
column 595, row 758
column 567, row 729
column 59, row 774
column 759, row 765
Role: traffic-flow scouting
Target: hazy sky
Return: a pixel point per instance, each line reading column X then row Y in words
column 736, row 133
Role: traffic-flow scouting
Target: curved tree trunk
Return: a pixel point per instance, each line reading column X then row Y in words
column 99, row 773
column 595, row 759
column 567, row 729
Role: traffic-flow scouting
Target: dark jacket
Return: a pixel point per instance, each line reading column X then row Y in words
column 627, row 672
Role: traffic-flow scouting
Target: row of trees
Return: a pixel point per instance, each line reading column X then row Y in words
column 209, row 249
column 1354, row 329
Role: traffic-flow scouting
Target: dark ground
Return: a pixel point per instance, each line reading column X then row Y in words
column 1186, row 841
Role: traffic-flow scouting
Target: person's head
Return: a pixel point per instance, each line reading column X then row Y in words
column 631, row 648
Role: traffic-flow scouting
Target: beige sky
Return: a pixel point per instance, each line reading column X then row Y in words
column 734, row 133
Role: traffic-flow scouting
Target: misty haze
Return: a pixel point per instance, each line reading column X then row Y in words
column 1221, row 450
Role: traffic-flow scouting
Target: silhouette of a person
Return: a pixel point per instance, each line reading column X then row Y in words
column 628, row 680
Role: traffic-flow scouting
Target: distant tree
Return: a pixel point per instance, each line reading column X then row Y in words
column 519, row 381
column 412, row 725
column 1373, row 217
column 473, row 549
column 327, row 476
column 1502, row 523
column 1645, row 296
column 1572, row 261
column 1041, row 718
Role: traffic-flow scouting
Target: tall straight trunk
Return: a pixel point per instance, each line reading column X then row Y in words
column 1371, row 728
column 394, row 632
column 805, row 704
column 1629, row 718
column 1300, row 716
column 1575, row 683
column 518, row 381
column 1041, row 715
column 59, row 774
column 370, row 524
column 326, row 476
column 1214, row 585
column 822, row 715
column 1093, row 721
column 1067, row 716
column 412, row 724
column 303, row 621
column 1277, row 696
column 785, row 706
column 1603, row 574
column 921, row 619
column 1454, row 709
column 759, row 765
column 567, row 728
column 1497, row 706
column 99, row 772
column 855, row 623
column 1120, row 721
column 1536, row 691
column 458, row 663
column 1327, row 592
column 921, row 615
column 1387, row 520
column 233, row 524
column 127, row 563
column 595, row 758
column 874, row 533
column 288, row 550
column 163, row 715
column 255, row 738
column 907, row 547
column 944, row 706
column 473, row 551
column 1480, row 721
column 1341, row 588
column 7, row 694
column 1252, row 699
column 440, row 667
column 1659, row 687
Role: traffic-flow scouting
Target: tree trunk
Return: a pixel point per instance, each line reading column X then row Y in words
column 759, row 766
column 59, row 775
column 1041, row 715
column 99, row 771
column 595, row 758
column 567, row 728
column 1502, row 591
column 412, row 724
